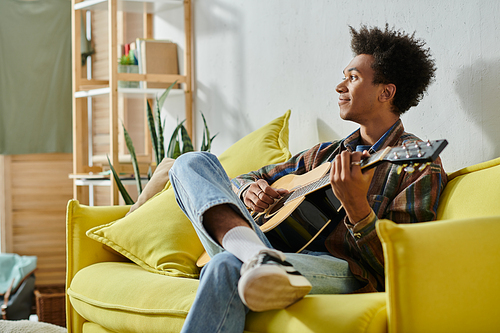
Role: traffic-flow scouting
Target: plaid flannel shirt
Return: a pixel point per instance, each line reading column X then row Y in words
column 398, row 196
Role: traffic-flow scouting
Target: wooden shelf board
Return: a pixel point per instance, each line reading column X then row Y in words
column 106, row 182
column 161, row 78
column 126, row 92
column 122, row 159
column 151, row 6
column 83, row 179
column 88, row 176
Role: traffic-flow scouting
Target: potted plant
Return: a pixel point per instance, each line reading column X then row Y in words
column 179, row 143
column 126, row 64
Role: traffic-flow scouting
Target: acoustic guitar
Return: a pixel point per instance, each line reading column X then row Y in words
column 310, row 211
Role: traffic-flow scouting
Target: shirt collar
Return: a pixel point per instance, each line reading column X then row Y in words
column 388, row 139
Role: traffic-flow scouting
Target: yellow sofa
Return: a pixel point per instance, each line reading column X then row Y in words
column 440, row 276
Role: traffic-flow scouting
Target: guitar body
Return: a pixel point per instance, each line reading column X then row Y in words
column 309, row 220
column 282, row 208
column 303, row 222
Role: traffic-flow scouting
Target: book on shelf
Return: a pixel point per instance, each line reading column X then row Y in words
column 156, row 57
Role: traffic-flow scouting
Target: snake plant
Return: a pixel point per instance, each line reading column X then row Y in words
column 179, row 143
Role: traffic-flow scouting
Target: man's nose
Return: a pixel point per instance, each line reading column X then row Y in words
column 341, row 87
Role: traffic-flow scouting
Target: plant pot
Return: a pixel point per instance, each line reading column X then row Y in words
column 128, row 69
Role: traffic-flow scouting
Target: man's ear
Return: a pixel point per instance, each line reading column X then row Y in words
column 388, row 93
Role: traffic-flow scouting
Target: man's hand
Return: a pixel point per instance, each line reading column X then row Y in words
column 350, row 185
column 260, row 195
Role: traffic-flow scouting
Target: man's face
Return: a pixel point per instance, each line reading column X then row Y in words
column 358, row 100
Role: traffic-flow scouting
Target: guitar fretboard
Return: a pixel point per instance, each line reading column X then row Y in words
column 309, row 188
column 325, row 180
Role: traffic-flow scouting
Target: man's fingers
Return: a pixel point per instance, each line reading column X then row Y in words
column 256, row 198
column 356, row 159
column 258, row 209
column 282, row 191
column 260, row 195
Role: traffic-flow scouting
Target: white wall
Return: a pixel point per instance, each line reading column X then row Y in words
column 256, row 59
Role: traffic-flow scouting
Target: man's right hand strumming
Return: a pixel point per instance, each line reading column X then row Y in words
column 260, row 195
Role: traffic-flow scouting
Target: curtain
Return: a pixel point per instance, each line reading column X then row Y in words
column 35, row 76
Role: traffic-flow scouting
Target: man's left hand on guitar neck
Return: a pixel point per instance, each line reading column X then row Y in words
column 350, row 185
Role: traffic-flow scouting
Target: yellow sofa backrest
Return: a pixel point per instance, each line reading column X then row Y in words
column 472, row 192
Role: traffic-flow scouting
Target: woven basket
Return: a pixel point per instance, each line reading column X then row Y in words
column 50, row 305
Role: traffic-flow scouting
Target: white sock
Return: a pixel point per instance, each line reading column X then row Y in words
column 244, row 243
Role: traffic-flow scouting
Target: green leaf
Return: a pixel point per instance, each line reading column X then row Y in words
column 163, row 96
column 161, row 147
column 150, row 173
column 131, row 149
column 126, row 197
column 152, row 131
column 187, row 144
column 177, row 150
column 206, row 144
column 204, row 139
column 162, row 144
column 212, row 139
column 159, row 104
column 174, row 141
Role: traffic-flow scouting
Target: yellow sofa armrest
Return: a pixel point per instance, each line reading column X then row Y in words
column 442, row 276
column 81, row 251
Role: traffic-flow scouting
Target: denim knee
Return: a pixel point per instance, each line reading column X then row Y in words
column 223, row 267
column 191, row 159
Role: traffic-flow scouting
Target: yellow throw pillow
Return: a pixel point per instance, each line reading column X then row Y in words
column 267, row 145
column 159, row 237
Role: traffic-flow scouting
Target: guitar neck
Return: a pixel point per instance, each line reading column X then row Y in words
column 368, row 163
column 407, row 154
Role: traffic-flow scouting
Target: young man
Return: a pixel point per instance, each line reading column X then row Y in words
column 388, row 75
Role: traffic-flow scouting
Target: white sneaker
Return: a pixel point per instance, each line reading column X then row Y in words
column 269, row 283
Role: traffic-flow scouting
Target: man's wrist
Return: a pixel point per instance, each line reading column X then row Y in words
column 357, row 215
column 364, row 226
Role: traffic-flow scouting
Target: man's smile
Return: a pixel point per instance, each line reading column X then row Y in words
column 343, row 100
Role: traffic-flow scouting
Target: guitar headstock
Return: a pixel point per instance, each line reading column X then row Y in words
column 409, row 155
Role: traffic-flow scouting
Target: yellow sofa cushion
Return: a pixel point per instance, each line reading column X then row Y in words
column 356, row 313
column 434, row 287
column 122, row 297
column 471, row 192
column 89, row 327
column 158, row 236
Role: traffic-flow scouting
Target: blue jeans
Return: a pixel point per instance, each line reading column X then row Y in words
column 200, row 183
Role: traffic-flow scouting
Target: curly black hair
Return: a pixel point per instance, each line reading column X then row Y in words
column 400, row 59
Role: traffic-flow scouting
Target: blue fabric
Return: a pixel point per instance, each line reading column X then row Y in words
column 362, row 148
column 354, row 146
column 199, row 182
column 14, row 267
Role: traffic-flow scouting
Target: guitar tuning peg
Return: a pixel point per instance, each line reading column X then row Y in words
column 400, row 168
column 410, row 169
column 423, row 166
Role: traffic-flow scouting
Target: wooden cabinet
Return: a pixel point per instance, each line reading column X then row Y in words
column 34, row 192
column 97, row 88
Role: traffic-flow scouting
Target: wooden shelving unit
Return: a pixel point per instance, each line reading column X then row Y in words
column 85, row 162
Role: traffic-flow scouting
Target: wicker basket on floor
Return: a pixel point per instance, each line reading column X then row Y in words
column 50, row 305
